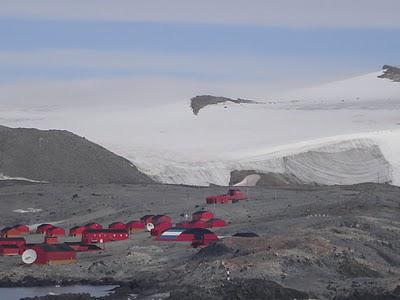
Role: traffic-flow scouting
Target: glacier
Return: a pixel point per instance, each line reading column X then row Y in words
column 343, row 132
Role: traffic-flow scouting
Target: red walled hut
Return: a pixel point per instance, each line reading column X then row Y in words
column 7, row 250
column 54, row 254
column 18, row 241
column 42, row 229
column 93, row 236
column 77, row 230
column 197, row 236
column 56, row 231
column 117, row 225
column 135, row 226
column 160, row 227
column 233, row 195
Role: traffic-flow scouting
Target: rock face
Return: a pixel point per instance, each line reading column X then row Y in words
column 199, row 102
column 391, row 72
column 61, row 157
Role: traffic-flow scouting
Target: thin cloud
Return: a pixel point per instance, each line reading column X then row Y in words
column 282, row 13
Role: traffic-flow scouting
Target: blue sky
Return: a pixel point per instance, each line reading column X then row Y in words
column 271, row 47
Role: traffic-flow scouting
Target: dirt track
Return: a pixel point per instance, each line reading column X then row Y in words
column 324, row 241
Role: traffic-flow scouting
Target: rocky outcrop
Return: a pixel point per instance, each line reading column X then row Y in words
column 391, row 72
column 199, row 102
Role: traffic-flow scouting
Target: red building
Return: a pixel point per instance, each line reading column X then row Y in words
column 6, row 250
column 133, row 226
column 117, row 225
column 233, row 195
column 77, row 230
column 93, row 226
column 42, row 229
column 17, row 241
column 54, row 254
column 15, row 231
column 202, row 215
column 56, row 231
column 93, row 236
column 10, row 232
column 160, row 227
column 197, row 236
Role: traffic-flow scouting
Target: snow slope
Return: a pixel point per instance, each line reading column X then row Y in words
column 342, row 132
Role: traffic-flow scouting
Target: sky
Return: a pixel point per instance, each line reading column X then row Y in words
column 70, row 52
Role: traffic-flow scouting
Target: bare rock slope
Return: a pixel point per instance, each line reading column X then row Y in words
column 61, row 157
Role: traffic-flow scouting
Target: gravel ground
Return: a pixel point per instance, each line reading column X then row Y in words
column 324, row 242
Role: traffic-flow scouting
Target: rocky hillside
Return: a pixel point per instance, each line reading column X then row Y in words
column 61, row 157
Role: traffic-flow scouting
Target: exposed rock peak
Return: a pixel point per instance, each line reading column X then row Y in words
column 391, row 72
column 199, row 102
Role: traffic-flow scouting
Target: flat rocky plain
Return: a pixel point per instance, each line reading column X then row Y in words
column 336, row 242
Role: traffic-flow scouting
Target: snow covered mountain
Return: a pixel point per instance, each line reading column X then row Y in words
column 342, row 132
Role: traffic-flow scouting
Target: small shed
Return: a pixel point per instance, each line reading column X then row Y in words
column 7, row 250
column 117, row 225
column 135, row 226
column 93, row 226
column 56, row 231
column 202, row 215
column 54, row 254
column 42, row 229
column 77, row 230
column 212, row 223
column 93, row 236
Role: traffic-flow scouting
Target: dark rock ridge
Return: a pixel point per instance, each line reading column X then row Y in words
column 199, row 102
column 62, row 157
column 391, row 72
